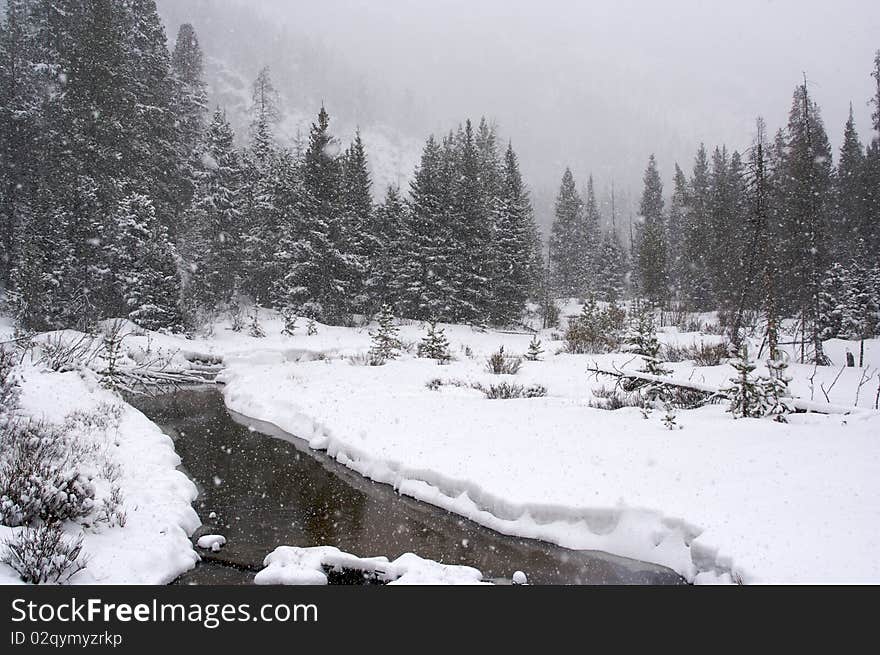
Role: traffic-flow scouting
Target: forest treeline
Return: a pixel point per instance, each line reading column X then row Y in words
column 778, row 229
column 122, row 193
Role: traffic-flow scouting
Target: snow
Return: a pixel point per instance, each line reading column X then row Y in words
column 719, row 501
column 519, row 578
column 748, row 501
column 290, row 565
column 153, row 546
column 212, row 542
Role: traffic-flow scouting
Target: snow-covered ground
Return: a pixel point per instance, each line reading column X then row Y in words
column 719, row 500
column 153, row 546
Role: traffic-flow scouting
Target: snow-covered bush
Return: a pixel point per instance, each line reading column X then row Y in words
column 499, row 363
column 511, row 391
column 9, row 382
column 40, row 475
column 45, row 554
column 595, row 330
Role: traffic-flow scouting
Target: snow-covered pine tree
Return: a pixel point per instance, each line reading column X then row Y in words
column 216, row 218
column 471, row 231
column 317, row 268
column 775, row 390
column 386, row 341
column 435, row 345
column 356, row 224
column 696, row 278
column 263, row 172
column 535, row 351
column 418, row 283
column 676, row 231
column 145, row 266
column 566, row 240
column 850, row 219
column 256, row 328
column 190, row 104
column 746, row 393
column 389, row 264
column 592, row 237
column 514, row 270
column 612, row 269
column 807, row 194
column 641, row 339
column 290, row 319
column 651, row 267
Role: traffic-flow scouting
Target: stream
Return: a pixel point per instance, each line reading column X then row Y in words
column 262, row 488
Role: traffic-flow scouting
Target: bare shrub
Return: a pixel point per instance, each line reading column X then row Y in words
column 61, row 352
column 45, row 554
column 702, row 354
column 501, row 364
column 40, row 475
column 614, row 399
column 595, row 330
column 711, row 354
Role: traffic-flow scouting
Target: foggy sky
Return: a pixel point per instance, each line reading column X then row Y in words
column 599, row 85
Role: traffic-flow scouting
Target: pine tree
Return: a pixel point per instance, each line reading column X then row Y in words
column 145, row 266
column 514, row 269
column 612, row 269
column 390, row 240
column 256, row 329
column 850, row 219
column 265, row 171
column 386, row 343
column 696, row 281
column 676, row 231
column 216, row 218
column 191, row 102
column 356, row 236
column 471, row 233
column 592, row 237
column 651, row 242
column 435, row 345
column 746, row 393
column 641, row 339
column 318, row 272
column 535, row 350
column 419, row 282
column 806, row 193
column 567, row 245
column 871, row 233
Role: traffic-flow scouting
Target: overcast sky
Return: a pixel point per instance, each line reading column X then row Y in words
column 599, row 85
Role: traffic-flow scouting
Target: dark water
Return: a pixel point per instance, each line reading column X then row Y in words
column 268, row 489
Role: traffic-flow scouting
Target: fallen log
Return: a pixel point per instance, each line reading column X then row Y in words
column 712, row 394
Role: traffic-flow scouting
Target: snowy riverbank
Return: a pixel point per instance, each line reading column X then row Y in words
column 719, row 500
column 749, row 500
column 153, row 546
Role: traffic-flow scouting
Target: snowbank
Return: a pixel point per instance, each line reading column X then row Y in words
column 153, row 546
column 747, row 501
column 289, row 565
